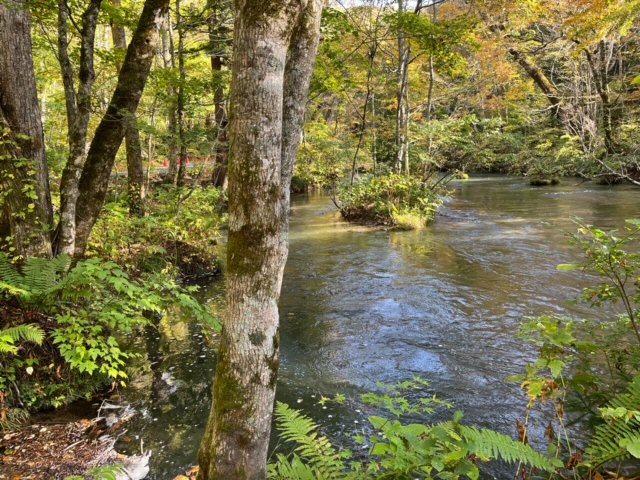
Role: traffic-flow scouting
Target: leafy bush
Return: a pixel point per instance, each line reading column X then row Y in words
column 447, row 450
column 591, row 368
column 81, row 314
column 180, row 231
column 391, row 200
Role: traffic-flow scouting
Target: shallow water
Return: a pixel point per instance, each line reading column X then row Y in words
column 360, row 306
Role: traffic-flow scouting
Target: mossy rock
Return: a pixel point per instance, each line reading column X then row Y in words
column 543, row 181
column 608, row 180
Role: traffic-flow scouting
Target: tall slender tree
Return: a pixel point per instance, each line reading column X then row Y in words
column 275, row 43
column 135, row 168
column 78, row 106
column 110, row 132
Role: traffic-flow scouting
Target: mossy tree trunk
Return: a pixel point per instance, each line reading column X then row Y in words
column 110, row 132
column 274, row 48
column 24, row 176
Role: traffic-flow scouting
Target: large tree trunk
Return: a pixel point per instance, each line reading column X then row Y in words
column 135, row 168
column 78, row 107
column 262, row 150
column 24, row 175
column 110, row 132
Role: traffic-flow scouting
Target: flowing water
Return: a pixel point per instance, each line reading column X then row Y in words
column 360, row 306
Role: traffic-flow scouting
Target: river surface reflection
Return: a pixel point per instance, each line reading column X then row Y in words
column 360, row 306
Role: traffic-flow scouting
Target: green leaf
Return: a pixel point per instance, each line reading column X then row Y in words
column 632, row 446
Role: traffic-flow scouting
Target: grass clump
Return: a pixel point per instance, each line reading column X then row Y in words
column 392, row 200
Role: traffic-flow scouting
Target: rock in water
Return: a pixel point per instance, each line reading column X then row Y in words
column 135, row 467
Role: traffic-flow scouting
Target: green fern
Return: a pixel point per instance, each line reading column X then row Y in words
column 35, row 284
column 27, row 333
column 9, row 274
column 493, row 445
column 618, row 439
column 291, row 469
column 323, row 462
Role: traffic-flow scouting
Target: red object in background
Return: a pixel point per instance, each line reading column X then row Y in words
column 165, row 163
column 187, row 162
column 179, row 160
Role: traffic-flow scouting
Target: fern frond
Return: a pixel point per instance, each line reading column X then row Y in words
column 10, row 278
column 10, row 336
column 27, row 333
column 490, row 444
column 315, row 449
column 293, row 469
column 610, row 440
column 42, row 274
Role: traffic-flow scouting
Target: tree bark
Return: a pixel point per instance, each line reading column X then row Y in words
column 266, row 125
column 78, row 106
column 110, row 132
column 135, row 168
column 24, row 175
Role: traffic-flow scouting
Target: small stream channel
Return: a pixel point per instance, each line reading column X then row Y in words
column 360, row 306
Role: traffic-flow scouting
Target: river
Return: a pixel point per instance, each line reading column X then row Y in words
column 359, row 306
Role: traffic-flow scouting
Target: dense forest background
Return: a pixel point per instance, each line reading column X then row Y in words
column 537, row 87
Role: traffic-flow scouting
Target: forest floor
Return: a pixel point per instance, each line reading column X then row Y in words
column 55, row 451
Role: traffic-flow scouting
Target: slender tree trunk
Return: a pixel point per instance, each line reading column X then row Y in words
column 78, row 106
column 402, row 109
column 265, row 132
column 374, row 127
column 222, row 141
column 168, row 57
column 432, row 70
column 572, row 119
column 221, row 158
column 600, row 74
column 24, row 175
column 110, row 132
column 180, row 113
column 135, row 168
column 365, row 108
column 299, row 69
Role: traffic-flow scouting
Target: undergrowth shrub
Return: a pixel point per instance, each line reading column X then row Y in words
column 392, row 200
column 180, row 231
column 62, row 326
column 447, row 450
column 587, row 371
